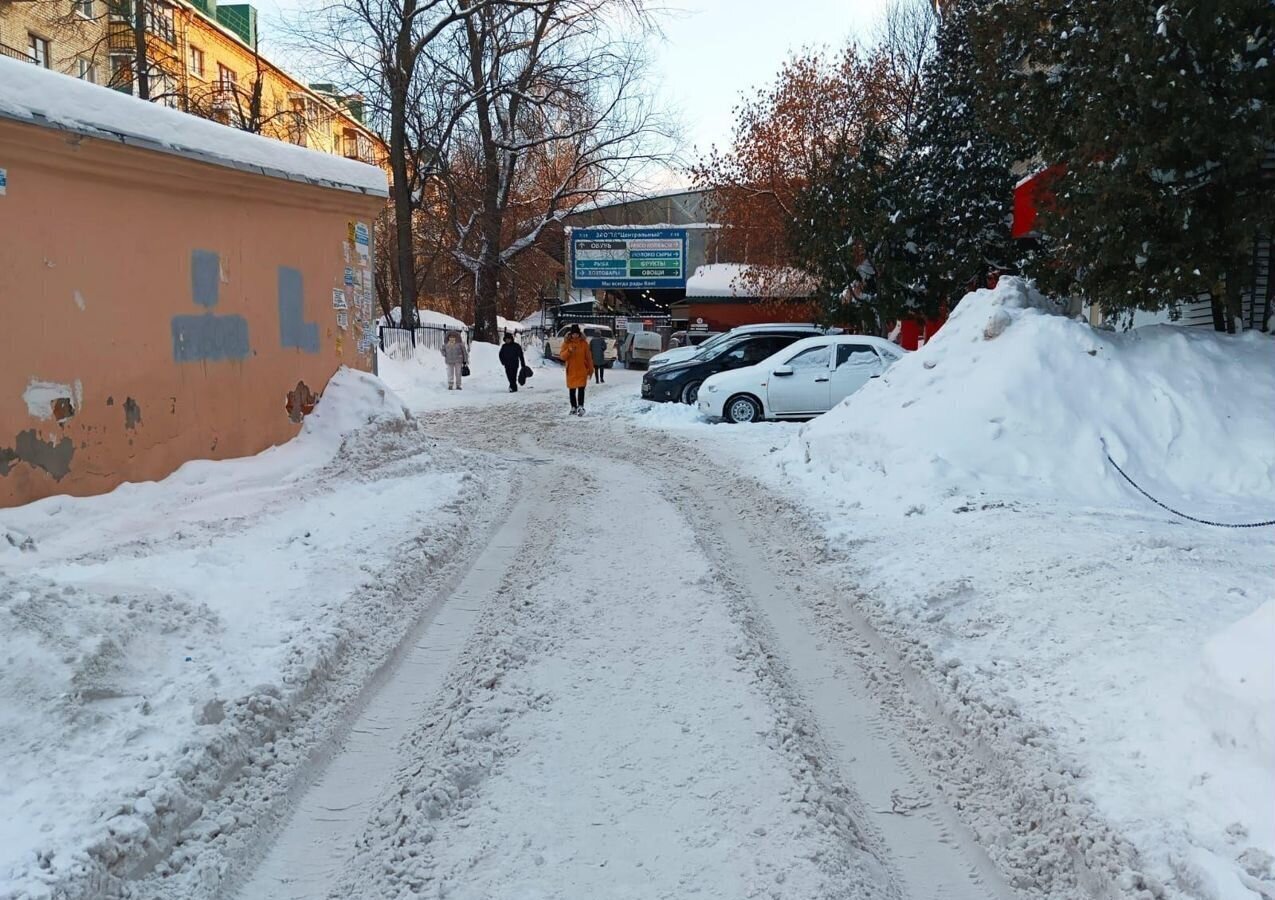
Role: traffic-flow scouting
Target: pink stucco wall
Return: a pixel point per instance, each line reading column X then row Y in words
column 158, row 309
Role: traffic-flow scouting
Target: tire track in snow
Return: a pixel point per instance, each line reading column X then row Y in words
column 308, row 856
column 917, row 834
column 621, row 743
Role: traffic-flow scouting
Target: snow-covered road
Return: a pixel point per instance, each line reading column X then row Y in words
column 626, row 692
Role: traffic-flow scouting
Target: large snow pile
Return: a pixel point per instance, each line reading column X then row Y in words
column 1075, row 626
column 34, row 94
column 156, row 635
column 1013, row 399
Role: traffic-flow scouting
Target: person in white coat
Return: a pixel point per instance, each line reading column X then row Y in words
column 457, row 356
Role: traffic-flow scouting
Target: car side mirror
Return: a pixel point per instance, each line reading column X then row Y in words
column 782, row 371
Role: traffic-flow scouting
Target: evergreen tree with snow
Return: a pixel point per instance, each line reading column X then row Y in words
column 843, row 234
column 954, row 182
column 1161, row 113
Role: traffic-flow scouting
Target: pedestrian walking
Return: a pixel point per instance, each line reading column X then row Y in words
column 578, row 359
column 512, row 359
column 598, row 347
column 456, row 355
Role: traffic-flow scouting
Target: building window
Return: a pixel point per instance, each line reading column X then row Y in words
column 122, row 73
column 87, row 69
column 164, row 90
column 298, row 121
column 350, row 143
column 196, row 64
column 38, row 50
column 83, row 8
column 227, row 80
column 159, row 21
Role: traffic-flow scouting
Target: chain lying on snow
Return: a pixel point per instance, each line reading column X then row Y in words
column 1162, row 505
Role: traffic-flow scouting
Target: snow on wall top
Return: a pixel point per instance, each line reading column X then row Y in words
column 727, row 280
column 33, row 94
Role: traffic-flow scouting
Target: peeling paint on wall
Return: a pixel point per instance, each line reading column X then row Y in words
column 30, row 448
column 294, row 330
column 301, row 401
column 43, row 399
column 79, row 300
column 132, row 414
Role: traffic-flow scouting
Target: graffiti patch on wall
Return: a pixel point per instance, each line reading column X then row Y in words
column 208, row 337
column 294, row 330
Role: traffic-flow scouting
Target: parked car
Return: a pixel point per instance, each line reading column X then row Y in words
column 690, row 338
column 804, row 379
column 682, row 354
column 680, row 381
column 553, row 346
column 637, row 348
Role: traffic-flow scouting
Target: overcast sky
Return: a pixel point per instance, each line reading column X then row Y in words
column 714, row 50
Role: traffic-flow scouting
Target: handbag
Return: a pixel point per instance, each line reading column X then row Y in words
column 464, row 371
column 524, row 374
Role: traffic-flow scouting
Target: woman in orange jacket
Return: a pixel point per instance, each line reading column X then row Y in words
column 578, row 359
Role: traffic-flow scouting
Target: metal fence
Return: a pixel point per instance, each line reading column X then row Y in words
column 398, row 342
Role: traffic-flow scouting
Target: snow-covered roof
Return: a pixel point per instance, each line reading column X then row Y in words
column 729, row 280
column 625, row 199
column 42, row 97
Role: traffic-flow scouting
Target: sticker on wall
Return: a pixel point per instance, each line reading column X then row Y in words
column 338, row 344
column 349, row 232
column 4, row 181
column 343, row 320
column 349, row 275
column 345, row 251
column 338, row 299
column 362, row 238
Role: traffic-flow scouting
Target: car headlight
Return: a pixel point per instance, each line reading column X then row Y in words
column 663, row 376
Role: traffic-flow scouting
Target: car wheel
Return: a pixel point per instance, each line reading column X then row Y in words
column 690, row 393
column 742, row 410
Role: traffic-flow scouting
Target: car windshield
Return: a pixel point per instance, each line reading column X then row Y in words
column 707, row 353
column 712, row 342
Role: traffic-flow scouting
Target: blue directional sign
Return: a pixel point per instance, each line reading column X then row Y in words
column 628, row 258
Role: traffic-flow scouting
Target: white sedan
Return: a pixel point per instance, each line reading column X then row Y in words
column 804, row 379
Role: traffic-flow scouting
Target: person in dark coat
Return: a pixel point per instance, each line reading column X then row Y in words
column 598, row 346
column 512, row 359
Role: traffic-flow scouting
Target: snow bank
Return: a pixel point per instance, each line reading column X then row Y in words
column 34, row 94
column 421, row 380
column 1013, row 399
column 430, row 317
column 996, row 545
column 157, row 636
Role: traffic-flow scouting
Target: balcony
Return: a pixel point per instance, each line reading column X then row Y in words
column 15, row 53
column 119, row 36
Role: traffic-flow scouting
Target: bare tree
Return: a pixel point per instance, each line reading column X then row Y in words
column 556, row 114
column 905, row 39
column 378, row 48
